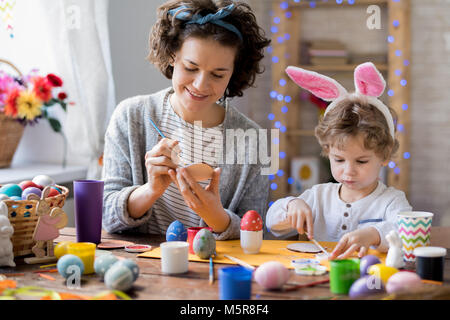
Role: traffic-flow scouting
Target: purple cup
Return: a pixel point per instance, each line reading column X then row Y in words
column 88, row 196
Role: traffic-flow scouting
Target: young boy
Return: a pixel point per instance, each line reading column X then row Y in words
column 357, row 134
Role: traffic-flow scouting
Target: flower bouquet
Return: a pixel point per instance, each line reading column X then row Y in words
column 24, row 100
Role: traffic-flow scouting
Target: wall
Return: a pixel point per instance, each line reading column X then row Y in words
column 430, row 75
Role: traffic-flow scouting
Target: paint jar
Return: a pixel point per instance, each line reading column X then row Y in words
column 342, row 275
column 86, row 252
column 174, row 257
column 191, row 235
column 430, row 262
column 235, row 283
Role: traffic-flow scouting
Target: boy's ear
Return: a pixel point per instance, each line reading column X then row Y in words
column 368, row 80
column 321, row 86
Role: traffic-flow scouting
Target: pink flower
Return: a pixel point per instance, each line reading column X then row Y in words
column 7, row 83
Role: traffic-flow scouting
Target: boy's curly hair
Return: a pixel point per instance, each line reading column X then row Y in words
column 353, row 116
column 169, row 33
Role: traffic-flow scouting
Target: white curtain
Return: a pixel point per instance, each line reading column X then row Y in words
column 69, row 38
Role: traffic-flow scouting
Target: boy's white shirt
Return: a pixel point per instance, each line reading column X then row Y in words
column 328, row 212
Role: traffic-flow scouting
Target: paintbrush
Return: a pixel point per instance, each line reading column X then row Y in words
column 163, row 136
column 211, row 270
column 318, row 245
column 240, row 262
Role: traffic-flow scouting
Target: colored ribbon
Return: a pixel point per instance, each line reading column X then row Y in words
column 182, row 13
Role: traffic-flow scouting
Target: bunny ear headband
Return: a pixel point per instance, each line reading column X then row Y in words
column 368, row 83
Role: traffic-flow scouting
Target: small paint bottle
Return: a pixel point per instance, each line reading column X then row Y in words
column 430, row 262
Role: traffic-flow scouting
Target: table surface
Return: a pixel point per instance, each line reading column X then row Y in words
column 194, row 285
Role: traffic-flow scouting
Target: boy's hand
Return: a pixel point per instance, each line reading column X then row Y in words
column 359, row 240
column 299, row 216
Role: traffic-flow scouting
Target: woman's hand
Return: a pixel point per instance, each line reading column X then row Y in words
column 299, row 216
column 205, row 202
column 359, row 240
column 158, row 162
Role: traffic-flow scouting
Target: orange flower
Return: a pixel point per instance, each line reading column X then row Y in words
column 42, row 88
column 11, row 103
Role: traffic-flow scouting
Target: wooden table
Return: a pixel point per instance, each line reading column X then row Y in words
column 153, row 284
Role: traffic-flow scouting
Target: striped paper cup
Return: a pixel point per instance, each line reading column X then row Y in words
column 414, row 228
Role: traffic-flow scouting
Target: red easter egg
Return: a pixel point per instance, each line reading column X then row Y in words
column 53, row 192
column 251, row 221
column 28, row 183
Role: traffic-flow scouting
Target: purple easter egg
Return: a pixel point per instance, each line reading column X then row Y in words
column 365, row 286
column 366, row 262
column 31, row 190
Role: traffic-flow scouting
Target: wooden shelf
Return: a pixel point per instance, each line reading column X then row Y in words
column 332, row 3
column 340, row 67
column 301, row 133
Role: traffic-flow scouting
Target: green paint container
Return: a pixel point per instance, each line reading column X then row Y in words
column 342, row 275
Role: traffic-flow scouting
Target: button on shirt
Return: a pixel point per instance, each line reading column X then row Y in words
column 333, row 217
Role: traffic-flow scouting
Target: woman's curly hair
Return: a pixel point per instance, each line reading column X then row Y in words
column 353, row 116
column 169, row 33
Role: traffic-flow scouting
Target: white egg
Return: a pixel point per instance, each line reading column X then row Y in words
column 272, row 275
column 43, row 180
column 200, row 171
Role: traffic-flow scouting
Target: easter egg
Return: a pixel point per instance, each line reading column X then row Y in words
column 16, row 198
column 251, row 221
column 403, row 280
column 53, row 192
column 204, row 244
column 200, row 171
column 3, row 197
column 11, row 190
column 119, row 277
column 366, row 262
column 365, row 286
column 176, row 232
column 28, row 183
column 61, row 249
column 271, row 275
column 43, row 180
column 103, row 263
column 70, row 264
column 132, row 265
column 382, row 271
column 31, row 190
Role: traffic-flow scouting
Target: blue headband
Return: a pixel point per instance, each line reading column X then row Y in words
column 212, row 17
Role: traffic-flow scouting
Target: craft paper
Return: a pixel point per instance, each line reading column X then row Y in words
column 271, row 250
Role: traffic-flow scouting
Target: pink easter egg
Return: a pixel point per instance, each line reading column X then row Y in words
column 403, row 280
column 53, row 192
column 271, row 275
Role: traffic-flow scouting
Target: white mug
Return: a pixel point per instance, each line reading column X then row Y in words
column 251, row 241
column 174, row 257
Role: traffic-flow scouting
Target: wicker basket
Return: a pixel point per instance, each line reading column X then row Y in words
column 11, row 132
column 23, row 218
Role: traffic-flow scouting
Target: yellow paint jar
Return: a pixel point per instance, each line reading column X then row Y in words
column 86, row 252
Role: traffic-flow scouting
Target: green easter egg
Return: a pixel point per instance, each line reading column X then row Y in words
column 204, row 244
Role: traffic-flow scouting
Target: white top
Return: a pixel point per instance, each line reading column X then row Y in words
column 430, row 252
column 333, row 217
column 197, row 144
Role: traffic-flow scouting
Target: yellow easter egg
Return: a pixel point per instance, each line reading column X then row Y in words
column 61, row 249
column 382, row 271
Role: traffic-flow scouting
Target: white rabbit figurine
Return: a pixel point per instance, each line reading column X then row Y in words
column 6, row 232
column 394, row 257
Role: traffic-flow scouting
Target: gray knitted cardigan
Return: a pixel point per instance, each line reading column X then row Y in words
column 130, row 135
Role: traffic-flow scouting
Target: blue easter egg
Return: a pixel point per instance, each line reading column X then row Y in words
column 70, row 264
column 176, row 232
column 130, row 264
column 31, row 190
column 11, row 190
column 103, row 263
column 119, row 277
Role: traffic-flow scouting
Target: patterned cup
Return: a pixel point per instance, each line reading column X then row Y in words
column 414, row 228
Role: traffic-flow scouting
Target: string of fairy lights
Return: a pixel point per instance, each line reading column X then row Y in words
column 286, row 99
